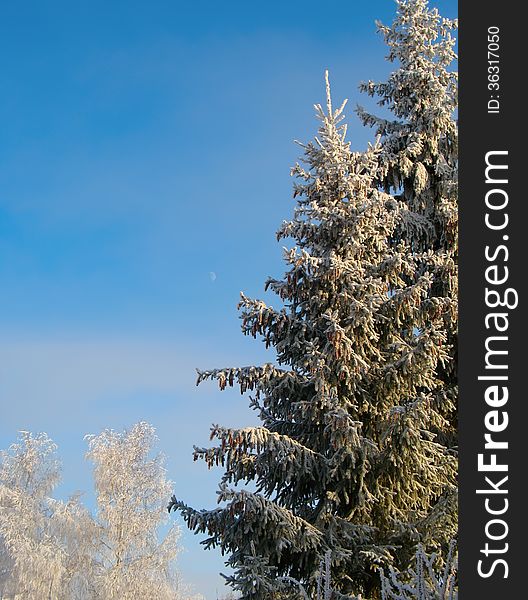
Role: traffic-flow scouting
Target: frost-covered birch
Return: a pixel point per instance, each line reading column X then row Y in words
column 42, row 556
column 57, row 550
column 132, row 491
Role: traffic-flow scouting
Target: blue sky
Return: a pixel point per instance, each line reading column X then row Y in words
column 144, row 169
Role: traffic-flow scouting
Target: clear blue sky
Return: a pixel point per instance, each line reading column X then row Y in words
column 144, row 169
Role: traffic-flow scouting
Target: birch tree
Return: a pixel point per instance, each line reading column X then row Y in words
column 36, row 531
column 57, row 550
column 132, row 492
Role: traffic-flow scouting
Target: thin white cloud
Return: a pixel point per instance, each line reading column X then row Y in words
column 54, row 381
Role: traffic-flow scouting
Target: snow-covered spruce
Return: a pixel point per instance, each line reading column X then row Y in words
column 347, row 459
column 419, row 164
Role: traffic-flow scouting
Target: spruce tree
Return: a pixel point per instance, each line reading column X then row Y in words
column 419, row 165
column 347, row 459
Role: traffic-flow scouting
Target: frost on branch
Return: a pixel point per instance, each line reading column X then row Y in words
column 425, row 581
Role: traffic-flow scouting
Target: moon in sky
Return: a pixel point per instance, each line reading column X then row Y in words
column 212, row 275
